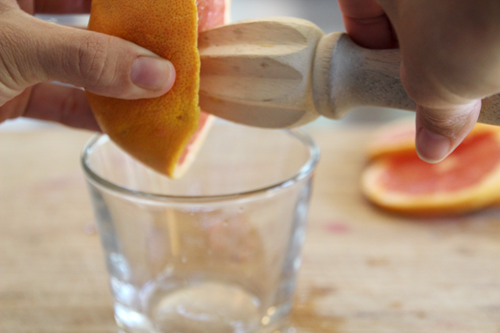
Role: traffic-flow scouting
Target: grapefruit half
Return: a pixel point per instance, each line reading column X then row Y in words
column 467, row 180
column 163, row 133
column 393, row 137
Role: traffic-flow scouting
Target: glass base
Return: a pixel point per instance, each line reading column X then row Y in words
column 209, row 307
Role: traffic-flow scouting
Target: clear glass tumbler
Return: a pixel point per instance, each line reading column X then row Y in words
column 216, row 251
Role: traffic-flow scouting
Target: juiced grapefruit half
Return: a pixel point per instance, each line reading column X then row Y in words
column 467, row 180
column 164, row 133
column 395, row 136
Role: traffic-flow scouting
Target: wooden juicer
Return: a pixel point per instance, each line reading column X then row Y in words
column 285, row 72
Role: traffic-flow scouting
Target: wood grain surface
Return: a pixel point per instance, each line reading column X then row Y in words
column 363, row 270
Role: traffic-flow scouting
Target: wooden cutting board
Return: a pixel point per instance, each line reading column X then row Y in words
column 363, row 270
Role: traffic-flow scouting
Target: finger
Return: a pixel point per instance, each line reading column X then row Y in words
column 440, row 131
column 367, row 24
column 55, row 6
column 65, row 105
column 27, row 5
column 449, row 62
column 34, row 51
column 61, row 6
column 45, row 101
column 15, row 107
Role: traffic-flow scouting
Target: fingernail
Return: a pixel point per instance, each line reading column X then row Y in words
column 432, row 147
column 153, row 73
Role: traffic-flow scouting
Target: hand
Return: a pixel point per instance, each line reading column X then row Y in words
column 34, row 52
column 450, row 60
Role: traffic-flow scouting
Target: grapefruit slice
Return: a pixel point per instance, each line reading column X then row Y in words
column 164, row 133
column 399, row 135
column 393, row 137
column 468, row 180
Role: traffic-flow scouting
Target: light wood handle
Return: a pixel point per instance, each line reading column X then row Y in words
column 347, row 76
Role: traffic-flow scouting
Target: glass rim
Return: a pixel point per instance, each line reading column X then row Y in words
column 305, row 170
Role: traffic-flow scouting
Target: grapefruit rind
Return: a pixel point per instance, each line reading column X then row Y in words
column 154, row 131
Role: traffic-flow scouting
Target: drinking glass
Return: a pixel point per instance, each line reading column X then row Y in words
column 215, row 251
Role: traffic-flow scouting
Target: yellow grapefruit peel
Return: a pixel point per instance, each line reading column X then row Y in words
column 154, row 131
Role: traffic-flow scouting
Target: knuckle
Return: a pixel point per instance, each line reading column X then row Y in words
column 445, row 121
column 92, row 61
column 12, row 56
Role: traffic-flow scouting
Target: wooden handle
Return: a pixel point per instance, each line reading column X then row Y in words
column 346, row 76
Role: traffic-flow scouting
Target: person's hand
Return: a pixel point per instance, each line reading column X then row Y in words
column 450, row 59
column 34, row 52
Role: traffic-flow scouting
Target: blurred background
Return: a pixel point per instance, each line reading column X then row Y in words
column 324, row 13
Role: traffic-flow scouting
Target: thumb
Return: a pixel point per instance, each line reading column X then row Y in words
column 440, row 131
column 34, row 51
column 443, row 118
column 450, row 60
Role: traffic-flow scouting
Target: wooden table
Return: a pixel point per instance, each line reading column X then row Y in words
column 363, row 270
